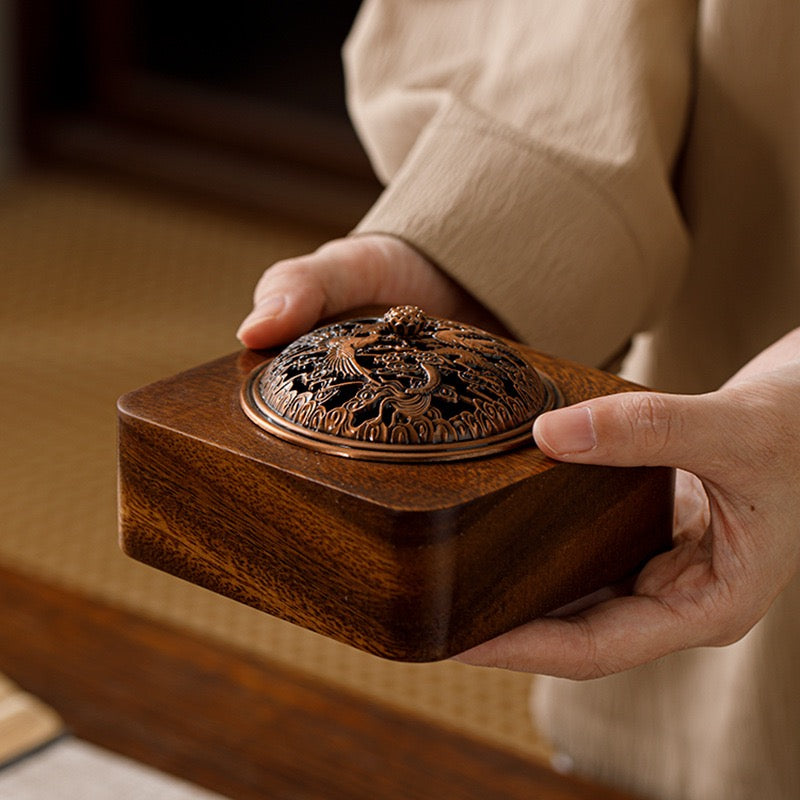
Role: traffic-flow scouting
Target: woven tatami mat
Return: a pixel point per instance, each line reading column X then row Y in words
column 105, row 289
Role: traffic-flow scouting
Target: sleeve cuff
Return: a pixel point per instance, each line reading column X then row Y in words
column 570, row 254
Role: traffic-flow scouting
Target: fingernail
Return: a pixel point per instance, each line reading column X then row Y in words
column 267, row 309
column 566, row 431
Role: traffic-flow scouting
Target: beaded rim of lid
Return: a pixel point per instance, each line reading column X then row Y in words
column 401, row 387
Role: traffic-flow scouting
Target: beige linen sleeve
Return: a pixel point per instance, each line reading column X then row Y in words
column 527, row 148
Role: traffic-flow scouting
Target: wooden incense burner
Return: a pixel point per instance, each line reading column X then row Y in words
column 376, row 482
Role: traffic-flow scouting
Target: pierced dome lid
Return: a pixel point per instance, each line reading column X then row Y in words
column 402, row 387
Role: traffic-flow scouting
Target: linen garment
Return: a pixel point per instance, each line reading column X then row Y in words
column 596, row 172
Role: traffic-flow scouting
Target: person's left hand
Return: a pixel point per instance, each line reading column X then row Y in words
column 736, row 536
column 344, row 274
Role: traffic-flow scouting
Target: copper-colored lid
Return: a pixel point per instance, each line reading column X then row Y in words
column 403, row 387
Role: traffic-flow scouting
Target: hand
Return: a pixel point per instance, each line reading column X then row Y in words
column 293, row 295
column 736, row 536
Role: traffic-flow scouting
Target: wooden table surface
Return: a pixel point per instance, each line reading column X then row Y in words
column 239, row 725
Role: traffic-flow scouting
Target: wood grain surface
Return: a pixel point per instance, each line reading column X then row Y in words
column 414, row 562
column 239, row 725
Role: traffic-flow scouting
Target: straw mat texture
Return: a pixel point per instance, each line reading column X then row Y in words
column 104, row 289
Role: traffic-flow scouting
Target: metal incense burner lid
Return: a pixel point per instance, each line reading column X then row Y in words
column 403, row 387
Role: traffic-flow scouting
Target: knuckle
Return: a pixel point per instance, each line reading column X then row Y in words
column 720, row 617
column 728, row 635
column 589, row 664
column 738, row 611
column 351, row 271
column 650, row 419
column 275, row 273
column 333, row 247
column 733, row 627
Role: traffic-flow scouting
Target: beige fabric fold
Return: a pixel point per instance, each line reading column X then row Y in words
column 592, row 171
column 527, row 151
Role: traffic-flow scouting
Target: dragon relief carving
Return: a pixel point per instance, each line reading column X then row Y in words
column 403, row 379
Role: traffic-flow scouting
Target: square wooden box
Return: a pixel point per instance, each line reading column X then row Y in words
column 413, row 562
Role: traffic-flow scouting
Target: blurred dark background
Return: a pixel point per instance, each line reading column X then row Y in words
column 239, row 101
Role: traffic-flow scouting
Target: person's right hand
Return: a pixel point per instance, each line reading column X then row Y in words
column 344, row 274
column 736, row 543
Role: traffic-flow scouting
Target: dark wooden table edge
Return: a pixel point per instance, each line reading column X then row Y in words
column 236, row 724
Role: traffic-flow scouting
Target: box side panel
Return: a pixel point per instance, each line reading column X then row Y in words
column 320, row 559
column 522, row 553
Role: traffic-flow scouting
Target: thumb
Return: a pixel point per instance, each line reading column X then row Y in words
column 292, row 295
column 640, row 429
column 375, row 269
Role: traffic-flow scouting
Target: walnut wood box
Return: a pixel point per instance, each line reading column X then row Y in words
column 415, row 561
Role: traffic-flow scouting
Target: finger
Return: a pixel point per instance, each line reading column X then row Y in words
column 696, row 433
column 294, row 294
column 610, row 637
column 374, row 269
